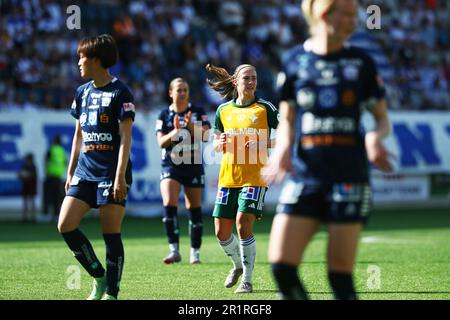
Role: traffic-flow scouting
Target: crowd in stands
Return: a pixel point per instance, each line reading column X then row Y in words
column 162, row 39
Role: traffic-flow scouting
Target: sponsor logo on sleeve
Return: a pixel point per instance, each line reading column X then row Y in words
column 128, row 106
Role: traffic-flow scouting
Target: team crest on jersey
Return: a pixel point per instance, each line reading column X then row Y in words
column 222, row 196
column 128, row 106
column 351, row 72
column 104, row 118
column 305, row 98
column 83, row 118
column 106, row 101
column 348, row 98
column 250, row 193
column 93, row 118
column 328, row 98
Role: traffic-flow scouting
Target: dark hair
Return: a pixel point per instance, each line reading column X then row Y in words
column 102, row 47
column 224, row 81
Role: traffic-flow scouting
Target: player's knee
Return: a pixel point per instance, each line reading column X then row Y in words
column 340, row 263
column 64, row 227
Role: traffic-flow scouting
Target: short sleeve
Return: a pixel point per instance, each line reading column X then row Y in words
column 218, row 126
column 204, row 118
column 75, row 107
column 161, row 125
column 285, row 87
column 126, row 105
column 374, row 86
column 272, row 114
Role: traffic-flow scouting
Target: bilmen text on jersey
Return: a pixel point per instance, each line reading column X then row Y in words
column 99, row 111
column 241, row 166
column 331, row 92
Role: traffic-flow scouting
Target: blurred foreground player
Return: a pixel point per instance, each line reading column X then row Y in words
column 329, row 84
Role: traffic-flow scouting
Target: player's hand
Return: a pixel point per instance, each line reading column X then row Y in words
column 176, row 122
column 251, row 144
column 223, row 138
column 278, row 165
column 67, row 184
column 120, row 189
column 187, row 121
column 377, row 154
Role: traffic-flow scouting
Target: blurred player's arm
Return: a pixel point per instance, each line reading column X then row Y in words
column 75, row 152
column 220, row 140
column 120, row 185
column 165, row 140
column 280, row 161
column 376, row 152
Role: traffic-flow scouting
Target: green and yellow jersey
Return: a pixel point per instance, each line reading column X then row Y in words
column 241, row 166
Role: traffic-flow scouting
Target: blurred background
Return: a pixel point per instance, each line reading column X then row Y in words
column 160, row 40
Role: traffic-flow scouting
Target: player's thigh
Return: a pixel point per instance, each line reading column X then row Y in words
column 289, row 237
column 193, row 197
column 72, row 212
column 111, row 217
column 170, row 192
column 342, row 245
column 223, row 228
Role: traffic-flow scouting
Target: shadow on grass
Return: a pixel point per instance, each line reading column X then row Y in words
column 138, row 228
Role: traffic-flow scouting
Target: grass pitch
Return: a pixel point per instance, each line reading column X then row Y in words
column 404, row 254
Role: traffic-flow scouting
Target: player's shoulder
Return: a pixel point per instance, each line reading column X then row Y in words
column 119, row 85
column 84, row 88
column 164, row 113
column 196, row 109
column 356, row 52
column 224, row 105
column 267, row 104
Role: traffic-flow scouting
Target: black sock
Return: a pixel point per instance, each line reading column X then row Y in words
column 114, row 262
column 289, row 284
column 83, row 252
column 171, row 224
column 342, row 285
column 196, row 227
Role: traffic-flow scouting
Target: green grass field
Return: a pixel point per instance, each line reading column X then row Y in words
column 411, row 248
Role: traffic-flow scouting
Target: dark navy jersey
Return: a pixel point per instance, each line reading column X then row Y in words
column 173, row 157
column 99, row 111
column 331, row 91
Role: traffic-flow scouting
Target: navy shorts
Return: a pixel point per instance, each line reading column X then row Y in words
column 194, row 181
column 94, row 193
column 328, row 202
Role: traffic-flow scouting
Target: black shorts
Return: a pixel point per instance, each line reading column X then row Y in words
column 335, row 203
column 194, row 181
column 94, row 193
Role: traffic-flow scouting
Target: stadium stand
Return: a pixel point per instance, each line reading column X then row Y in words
column 160, row 40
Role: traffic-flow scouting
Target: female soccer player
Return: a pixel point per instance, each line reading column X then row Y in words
column 99, row 171
column 242, row 131
column 329, row 83
column 180, row 130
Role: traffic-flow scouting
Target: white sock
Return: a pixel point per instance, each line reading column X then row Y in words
column 248, row 254
column 173, row 247
column 231, row 248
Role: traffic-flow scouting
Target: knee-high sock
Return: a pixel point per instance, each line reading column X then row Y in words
column 342, row 285
column 288, row 282
column 231, row 248
column 115, row 257
column 196, row 227
column 83, row 252
column 171, row 225
column 248, row 255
